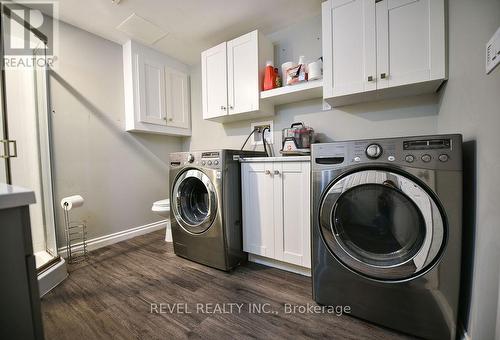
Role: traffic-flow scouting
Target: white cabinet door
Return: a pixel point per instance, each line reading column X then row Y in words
column 151, row 90
column 258, row 209
column 349, row 48
column 243, row 73
column 293, row 238
column 410, row 41
column 177, row 98
column 214, row 81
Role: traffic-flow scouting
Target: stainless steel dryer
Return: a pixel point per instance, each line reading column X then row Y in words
column 206, row 206
column 386, row 236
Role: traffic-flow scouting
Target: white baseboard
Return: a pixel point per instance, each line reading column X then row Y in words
column 51, row 277
column 279, row 264
column 106, row 240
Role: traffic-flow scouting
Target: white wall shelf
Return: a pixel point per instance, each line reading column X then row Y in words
column 294, row 93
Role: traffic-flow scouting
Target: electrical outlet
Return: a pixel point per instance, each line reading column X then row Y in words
column 257, row 136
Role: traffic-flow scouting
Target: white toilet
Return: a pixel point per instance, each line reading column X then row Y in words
column 162, row 208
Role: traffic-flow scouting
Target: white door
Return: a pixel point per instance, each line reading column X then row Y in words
column 243, row 73
column 151, row 90
column 293, row 235
column 177, row 98
column 349, row 48
column 258, row 209
column 214, row 81
column 404, row 37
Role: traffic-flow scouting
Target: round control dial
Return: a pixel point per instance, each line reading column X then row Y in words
column 373, row 151
column 444, row 157
column 410, row 158
column 426, row 158
column 190, row 158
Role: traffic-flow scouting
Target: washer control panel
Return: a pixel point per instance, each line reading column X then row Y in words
column 209, row 159
column 427, row 152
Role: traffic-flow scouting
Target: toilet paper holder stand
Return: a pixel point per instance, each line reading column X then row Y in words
column 76, row 238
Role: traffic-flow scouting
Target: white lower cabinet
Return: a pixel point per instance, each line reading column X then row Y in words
column 276, row 212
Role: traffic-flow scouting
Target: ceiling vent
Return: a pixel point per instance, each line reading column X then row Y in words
column 142, row 30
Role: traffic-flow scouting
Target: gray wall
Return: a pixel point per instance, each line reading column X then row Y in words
column 411, row 116
column 471, row 105
column 120, row 174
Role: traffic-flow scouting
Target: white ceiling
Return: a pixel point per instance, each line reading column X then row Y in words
column 192, row 25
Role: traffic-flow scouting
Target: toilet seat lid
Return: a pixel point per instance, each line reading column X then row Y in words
column 163, row 203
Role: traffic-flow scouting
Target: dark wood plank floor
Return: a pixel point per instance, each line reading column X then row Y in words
column 111, row 295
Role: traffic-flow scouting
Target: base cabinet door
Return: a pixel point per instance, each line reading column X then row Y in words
column 276, row 211
column 258, row 210
column 293, row 244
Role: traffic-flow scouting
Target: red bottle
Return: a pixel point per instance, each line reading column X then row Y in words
column 269, row 77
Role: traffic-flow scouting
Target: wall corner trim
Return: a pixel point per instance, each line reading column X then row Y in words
column 106, row 240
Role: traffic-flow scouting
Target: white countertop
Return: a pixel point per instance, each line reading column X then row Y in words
column 276, row 159
column 12, row 196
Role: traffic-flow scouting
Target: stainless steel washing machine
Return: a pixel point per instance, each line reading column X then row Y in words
column 206, row 206
column 386, row 236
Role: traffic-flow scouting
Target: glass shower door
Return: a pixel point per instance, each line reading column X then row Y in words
column 25, row 111
column 43, row 123
column 3, row 137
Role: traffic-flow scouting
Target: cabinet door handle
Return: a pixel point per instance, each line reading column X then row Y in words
column 276, row 172
column 383, row 75
column 370, row 78
column 231, row 107
column 267, row 172
column 223, row 107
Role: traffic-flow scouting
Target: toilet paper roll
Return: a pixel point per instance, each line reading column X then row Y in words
column 71, row 202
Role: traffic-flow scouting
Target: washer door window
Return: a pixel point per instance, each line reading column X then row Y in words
column 196, row 201
column 382, row 225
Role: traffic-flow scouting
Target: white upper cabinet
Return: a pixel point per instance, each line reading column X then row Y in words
column 177, row 89
column 214, row 81
column 348, row 47
column 382, row 49
column 410, row 41
column 243, row 74
column 156, row 92
column 151, row 91
column 232, row 76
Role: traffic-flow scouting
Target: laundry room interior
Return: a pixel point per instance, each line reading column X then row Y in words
column 250, row 169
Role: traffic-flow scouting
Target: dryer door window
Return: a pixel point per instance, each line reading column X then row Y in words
column 196, row 203
column 382, row 225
